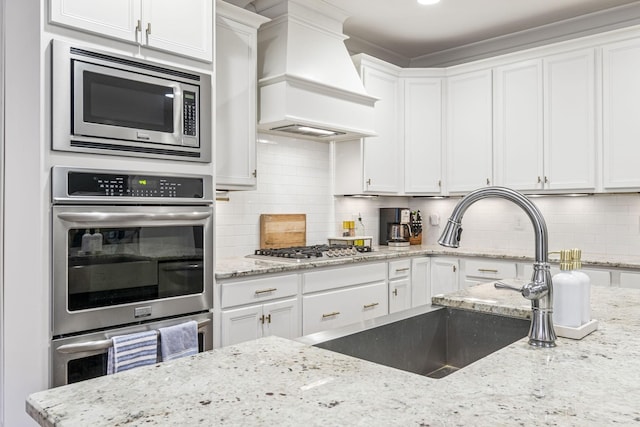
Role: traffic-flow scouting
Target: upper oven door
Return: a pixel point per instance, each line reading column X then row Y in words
column 124, row 105
column 114, row 265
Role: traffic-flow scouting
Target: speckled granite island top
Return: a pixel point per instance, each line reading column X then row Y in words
column 273, row 381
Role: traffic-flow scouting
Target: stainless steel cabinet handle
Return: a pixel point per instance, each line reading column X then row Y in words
column 102, row 344
column 148, row 28
column 373, row 304
column 487, row 270
column 124, row 216
column 139, row 26
column 334, row 313
column 400, row 270
column 265, row 291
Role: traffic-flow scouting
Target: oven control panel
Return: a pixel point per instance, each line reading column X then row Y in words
column 89, row 184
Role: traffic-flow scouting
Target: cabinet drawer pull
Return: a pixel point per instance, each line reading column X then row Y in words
column 400, row 270
column 373, row 304
column 334, row 313
column 265, row 291
column 487, row 270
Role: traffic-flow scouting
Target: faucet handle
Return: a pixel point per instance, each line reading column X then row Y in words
column 502, row 285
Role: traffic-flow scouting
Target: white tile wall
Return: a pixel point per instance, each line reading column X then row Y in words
column 295, row 177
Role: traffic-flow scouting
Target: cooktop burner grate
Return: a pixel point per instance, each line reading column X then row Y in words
column 301, row 253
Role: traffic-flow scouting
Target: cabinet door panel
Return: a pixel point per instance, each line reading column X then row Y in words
column 111, row 18
column 570, row 121
column 519, row 126
column 283, row 319
column 469, row 131
column 383, row 153
column 399, row 295
column 242, row 324
column 236, row 77
column 420, row 281
column 621, row 103
column 444, row 276
column 184, row 27
column 423, row 135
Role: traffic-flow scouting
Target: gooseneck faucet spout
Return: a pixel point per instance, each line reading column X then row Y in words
column 540, row 289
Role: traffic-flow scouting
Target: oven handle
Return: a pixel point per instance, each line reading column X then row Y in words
column 103, row 344
column 124, row 216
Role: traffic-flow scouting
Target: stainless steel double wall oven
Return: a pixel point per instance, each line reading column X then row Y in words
column 131, row 252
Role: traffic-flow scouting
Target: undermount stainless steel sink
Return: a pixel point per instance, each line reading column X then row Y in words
column 430, row 341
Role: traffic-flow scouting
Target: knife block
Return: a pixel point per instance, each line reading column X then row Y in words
column 415, row 240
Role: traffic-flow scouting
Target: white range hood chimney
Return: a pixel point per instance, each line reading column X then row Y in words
column 308, row 85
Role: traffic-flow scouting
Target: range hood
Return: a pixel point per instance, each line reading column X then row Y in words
column 308, row 86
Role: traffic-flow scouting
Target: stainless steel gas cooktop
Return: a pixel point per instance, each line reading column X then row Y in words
column 309, row 253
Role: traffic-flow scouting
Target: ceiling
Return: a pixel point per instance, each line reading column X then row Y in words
column 409, row 34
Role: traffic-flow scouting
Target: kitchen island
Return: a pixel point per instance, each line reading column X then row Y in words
column 273, row 381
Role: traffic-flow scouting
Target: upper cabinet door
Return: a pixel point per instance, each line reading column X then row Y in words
column 422, row 135
column 519, row 126
column 621, row 114
column 112, row 18
column 569, row 91
column 469, row 131
column 383, row 156
column 184, row 27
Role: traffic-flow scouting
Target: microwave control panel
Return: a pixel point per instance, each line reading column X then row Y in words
column 189, row 114
column 91, row 184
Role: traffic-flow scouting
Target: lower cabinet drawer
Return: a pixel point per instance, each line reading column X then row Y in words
column 333, row 309
column 258, row 290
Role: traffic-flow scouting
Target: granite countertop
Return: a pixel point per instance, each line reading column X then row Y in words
column 234, row 267
column 274, row 381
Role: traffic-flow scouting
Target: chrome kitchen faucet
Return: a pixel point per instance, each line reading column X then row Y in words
column 540, row 289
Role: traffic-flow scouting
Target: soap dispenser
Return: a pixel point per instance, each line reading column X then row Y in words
column 567, row 294
column 585, row 284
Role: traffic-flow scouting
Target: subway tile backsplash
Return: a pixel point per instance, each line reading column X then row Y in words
column 294, row 176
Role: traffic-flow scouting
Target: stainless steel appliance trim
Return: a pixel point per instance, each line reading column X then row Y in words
column 60, row 190
column 61, row 112
column 102, row 217
column 105, row 344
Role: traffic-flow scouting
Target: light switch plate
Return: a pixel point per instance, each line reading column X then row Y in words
column 434, row 219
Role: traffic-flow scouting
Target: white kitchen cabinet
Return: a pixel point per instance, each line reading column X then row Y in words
column 341, row 307
column 374, row 164
column 184, row 27
column 469, row 131
column 422, row 113
column 236, row 93
column 399, row 285
column 478, row 271
column 256, row 321
column 518, row 123
column 569, row 116
column 545, row 123
column 420, row 281
column 259, row 307
column 444, row 275
column 629, row 279
column 621, row 104
column 340, row 296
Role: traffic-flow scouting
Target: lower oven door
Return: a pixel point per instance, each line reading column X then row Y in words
column 82, row 357
column 119, row 265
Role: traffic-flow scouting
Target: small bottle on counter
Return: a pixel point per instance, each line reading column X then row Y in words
column 96, row 241
column 585, row 284
column 567, row 294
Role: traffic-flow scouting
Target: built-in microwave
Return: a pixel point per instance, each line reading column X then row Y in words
column 114, row 104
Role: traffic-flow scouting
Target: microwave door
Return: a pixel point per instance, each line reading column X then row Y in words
column 117, row 104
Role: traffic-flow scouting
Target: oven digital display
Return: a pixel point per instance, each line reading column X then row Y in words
column 84, row 184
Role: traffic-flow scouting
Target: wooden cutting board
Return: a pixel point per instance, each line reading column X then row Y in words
column 282, row 230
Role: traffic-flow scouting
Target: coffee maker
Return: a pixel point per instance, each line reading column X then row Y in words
column 394, row 227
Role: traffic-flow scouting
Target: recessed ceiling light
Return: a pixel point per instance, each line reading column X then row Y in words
column 428, row 1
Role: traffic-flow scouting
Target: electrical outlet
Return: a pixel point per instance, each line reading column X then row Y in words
column 434, row 219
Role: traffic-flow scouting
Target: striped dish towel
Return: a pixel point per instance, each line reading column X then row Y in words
column 131, row 351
